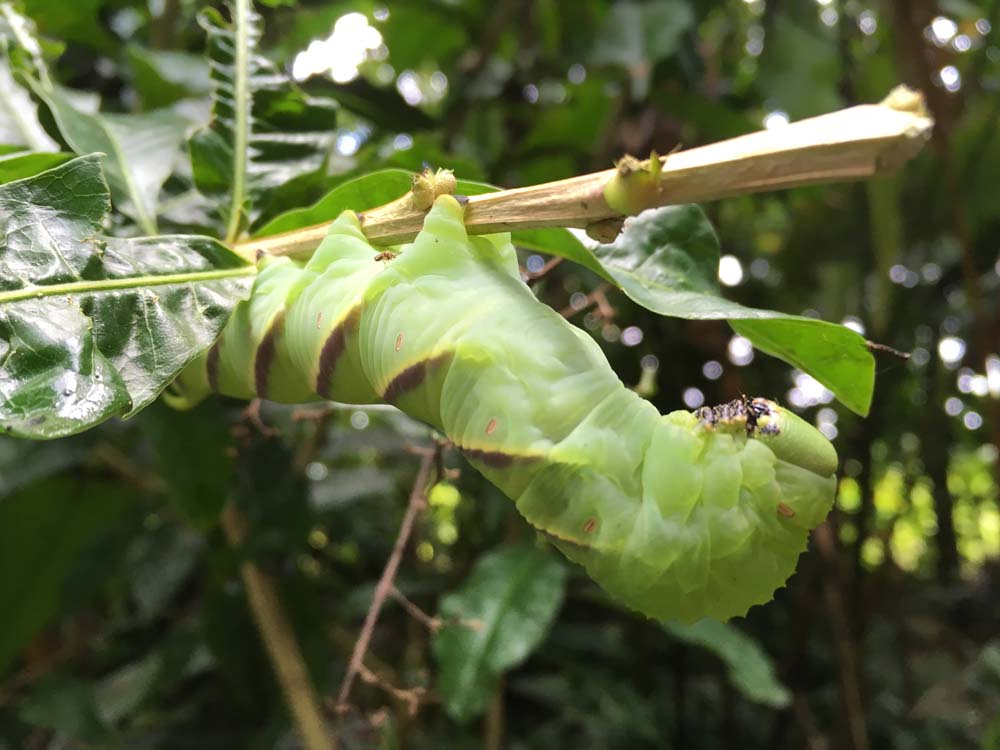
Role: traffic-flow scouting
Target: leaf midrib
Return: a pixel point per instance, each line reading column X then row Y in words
column 130, row 282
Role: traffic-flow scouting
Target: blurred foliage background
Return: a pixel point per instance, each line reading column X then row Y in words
column 125, row 618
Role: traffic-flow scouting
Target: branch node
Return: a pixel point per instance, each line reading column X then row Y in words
column 606, row 230
column 429, row 184
column 635, row 185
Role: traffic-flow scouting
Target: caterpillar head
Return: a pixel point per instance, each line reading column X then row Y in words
column 727, row 498
column 790, row 437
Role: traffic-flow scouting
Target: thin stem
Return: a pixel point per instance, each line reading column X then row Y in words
column 279, row 641
column 431, row 623
column 241, row 117
column 850, row 144
column 386, row 581
column 597, row 297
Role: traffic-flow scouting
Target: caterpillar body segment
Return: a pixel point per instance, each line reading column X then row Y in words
column 680, row 516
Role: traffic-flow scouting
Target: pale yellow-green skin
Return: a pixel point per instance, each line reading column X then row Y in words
column 675, row 518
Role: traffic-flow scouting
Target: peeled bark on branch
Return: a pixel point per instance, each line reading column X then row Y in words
column 849, row 144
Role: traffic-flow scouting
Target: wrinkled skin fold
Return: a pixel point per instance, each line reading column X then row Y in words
column 680, row 516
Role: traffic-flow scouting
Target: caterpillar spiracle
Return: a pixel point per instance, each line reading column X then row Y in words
column 680, row 516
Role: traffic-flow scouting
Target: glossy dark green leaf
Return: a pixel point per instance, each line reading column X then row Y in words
column 666, row 260
column 749, row 668
column 91, row 327
column 44, row 529
column 265, row 131
column 499, row 616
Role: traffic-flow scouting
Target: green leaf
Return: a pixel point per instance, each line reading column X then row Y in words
column 427, row 150
column 91, row 326
column 197, row 470
column 576, row 124
column 44, row 530
column 636, row 35
column 561, row 242
column 160, row 562
column 748, row 666
column 140, row 150
column 19, row 114
column 17, row 166
column 79, row 21
column 22, row 462
column 265, row 131
column 163, row 77
column 800, row 67
column 66, row 705
column 666, row 260
column 496, row 620
column 357, row 194
column 426, row 33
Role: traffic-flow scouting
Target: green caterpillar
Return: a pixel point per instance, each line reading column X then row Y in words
column 680, row 516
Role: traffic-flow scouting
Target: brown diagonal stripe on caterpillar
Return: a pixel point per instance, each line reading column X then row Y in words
column 412, row 376
column 265, row 355
column 333, row 348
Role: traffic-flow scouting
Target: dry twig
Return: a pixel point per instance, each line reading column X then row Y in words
column 412, row 697
column 417, row 502
column 432, row 623
column 598, row 297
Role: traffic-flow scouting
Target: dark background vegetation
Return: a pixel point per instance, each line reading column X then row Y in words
column 124, row 620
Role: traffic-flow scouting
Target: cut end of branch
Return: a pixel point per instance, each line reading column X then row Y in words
column 905, row 99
